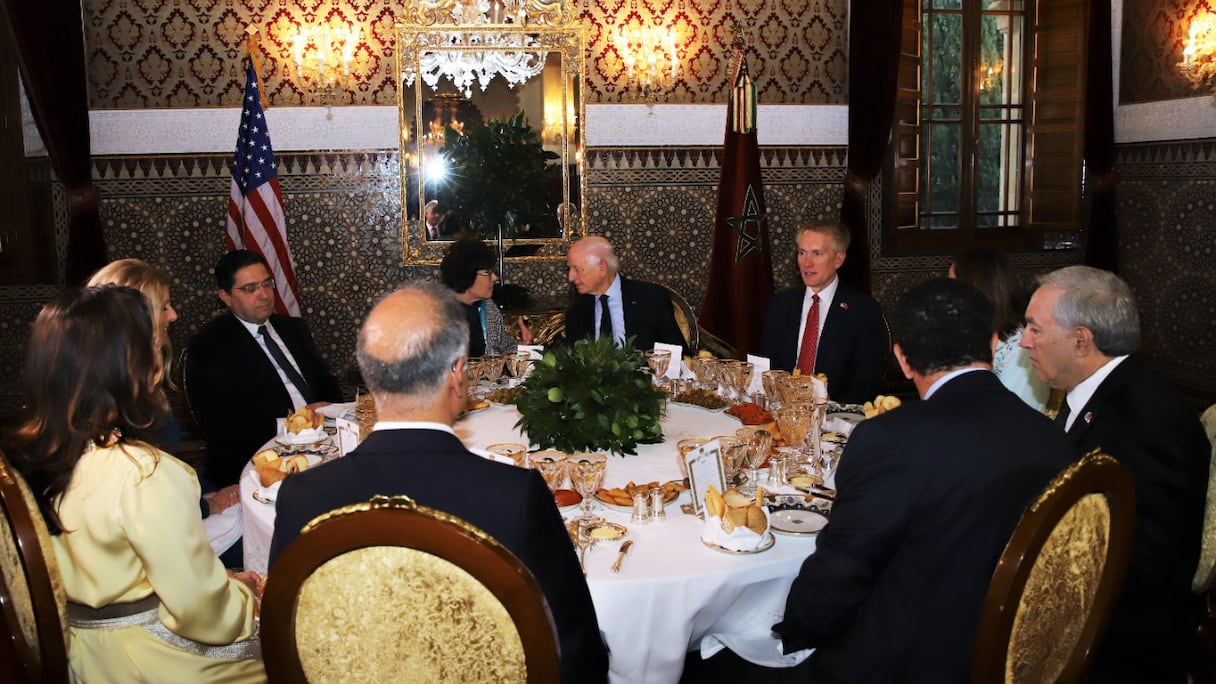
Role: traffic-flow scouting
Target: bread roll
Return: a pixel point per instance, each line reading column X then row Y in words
column 269, row 474
column 735, row 499
column 756, row 522
column 736, row 517
column 295, row 463
column 265, row 456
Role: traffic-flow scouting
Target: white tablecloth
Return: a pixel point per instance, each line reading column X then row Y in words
column 673, row 593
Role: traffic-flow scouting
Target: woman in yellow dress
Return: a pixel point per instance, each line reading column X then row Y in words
column 148, row 601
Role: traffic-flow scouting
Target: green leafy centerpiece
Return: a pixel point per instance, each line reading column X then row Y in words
column 591, row 396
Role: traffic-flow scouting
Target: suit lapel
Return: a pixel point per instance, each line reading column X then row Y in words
column 1089, row 414
column 629, row 306
column 249, row 352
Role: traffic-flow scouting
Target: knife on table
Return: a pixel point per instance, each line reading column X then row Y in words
column 616, row 566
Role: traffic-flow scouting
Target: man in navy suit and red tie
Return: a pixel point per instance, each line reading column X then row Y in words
column 826, row 326
column 1082, row 331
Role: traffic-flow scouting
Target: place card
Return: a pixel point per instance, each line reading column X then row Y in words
column 348, row 432
column 536, row 350
column 760, row 364
column 704, row 469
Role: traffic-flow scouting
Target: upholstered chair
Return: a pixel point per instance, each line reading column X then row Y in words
column 392, row 591
column 1205, row 574
column 1053, row 591
column 33, row 601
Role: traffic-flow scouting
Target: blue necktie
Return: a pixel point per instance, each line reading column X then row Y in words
column 281, row 359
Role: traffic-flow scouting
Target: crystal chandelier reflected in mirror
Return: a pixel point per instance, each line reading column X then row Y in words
column 505, row 54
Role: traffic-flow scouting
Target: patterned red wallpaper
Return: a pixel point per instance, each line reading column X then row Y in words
column 187, row 53
column 1153, row 33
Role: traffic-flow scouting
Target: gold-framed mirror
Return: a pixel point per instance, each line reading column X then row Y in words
column 490, row 109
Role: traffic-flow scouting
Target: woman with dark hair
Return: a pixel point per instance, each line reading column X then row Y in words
column 147, row 598
column 990, row 272
column 468, row 269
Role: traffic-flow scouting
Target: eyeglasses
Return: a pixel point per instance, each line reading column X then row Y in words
column 251, row 288
column 489, row 273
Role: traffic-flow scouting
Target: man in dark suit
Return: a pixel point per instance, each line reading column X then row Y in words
column 929, row 494
column 847, row 344
column 1082, row 326
column 635, row 308
column 411, row 352
column 235, row 384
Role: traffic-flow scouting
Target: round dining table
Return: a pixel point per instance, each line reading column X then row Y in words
column 673, row 593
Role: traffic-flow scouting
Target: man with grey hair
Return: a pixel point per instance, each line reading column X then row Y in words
column 1082, row 328
column 411, row 353
column 610, row 304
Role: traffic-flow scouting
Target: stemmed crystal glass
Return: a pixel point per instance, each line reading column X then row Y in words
column 586, row 471
column 741, row 378
column 794, row 421
column 771, row 381
column 491, row 369
column 758, row 450
column 659, row 360
column 472, row 376
column 520, row 363
column 552, row 467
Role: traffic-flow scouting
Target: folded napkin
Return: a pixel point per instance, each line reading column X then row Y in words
column 270, row 493
column 838, row 425
column 752, row 639
column 760, row 364
column 337, row 410
column 225, row 528
column 741, row 539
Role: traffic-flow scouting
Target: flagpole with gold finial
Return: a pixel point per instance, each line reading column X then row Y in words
column 253, row 45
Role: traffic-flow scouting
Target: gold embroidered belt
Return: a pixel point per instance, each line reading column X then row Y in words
column 144, row 613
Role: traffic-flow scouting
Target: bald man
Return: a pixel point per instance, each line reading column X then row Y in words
column 411, row 352
column 635, row 308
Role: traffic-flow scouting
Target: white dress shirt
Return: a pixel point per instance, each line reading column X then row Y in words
column 1080, row 395
column 616, row 309
column 826, row 295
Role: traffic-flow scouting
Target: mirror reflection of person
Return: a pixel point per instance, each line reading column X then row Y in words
column 432, row 217
column 468, row 269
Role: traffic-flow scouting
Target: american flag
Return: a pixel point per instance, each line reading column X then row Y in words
column 255, row 203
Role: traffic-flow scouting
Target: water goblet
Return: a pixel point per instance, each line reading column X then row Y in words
column 551, row 465
column 491, row 370
column 683, row 447
column 771, row 381
column 741, row 378
column 758, row 450
column 659, row 360
column 794, row 421
column 586, row 471
column 512, row 450
column 519, row 364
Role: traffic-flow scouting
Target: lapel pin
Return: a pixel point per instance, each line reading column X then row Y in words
column 844, row 305
column 1089, row 417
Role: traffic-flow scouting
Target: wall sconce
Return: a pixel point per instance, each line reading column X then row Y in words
column 649, row 53
column 323, row 55
column 990, row 74
column 1199, row 51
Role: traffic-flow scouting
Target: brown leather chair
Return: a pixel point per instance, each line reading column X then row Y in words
column 1053, row 591
column 388, row 590
column 32, row 598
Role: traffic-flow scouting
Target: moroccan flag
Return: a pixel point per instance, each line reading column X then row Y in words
column 255, row 203
column 741, row 261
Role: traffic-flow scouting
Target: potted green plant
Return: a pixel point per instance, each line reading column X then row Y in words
column 499, row 174
column 591, row 396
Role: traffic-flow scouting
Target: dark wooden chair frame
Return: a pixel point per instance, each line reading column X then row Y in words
column 45, row 661
column 400, row 522
column 1094, row 473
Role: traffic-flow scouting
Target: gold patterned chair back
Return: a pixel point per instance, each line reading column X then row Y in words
column 1054, row 588
column 686, row 320
column 1205, row 575
column 32, row 598
column 392, row 591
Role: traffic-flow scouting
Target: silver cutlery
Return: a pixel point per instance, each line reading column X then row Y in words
column 616, row 566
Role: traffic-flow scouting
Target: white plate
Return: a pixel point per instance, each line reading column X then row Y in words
column 268, row 495
column 794, row 521
column 304, row 438
column 765, row 545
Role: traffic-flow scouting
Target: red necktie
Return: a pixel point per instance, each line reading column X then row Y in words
column 810, row 339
